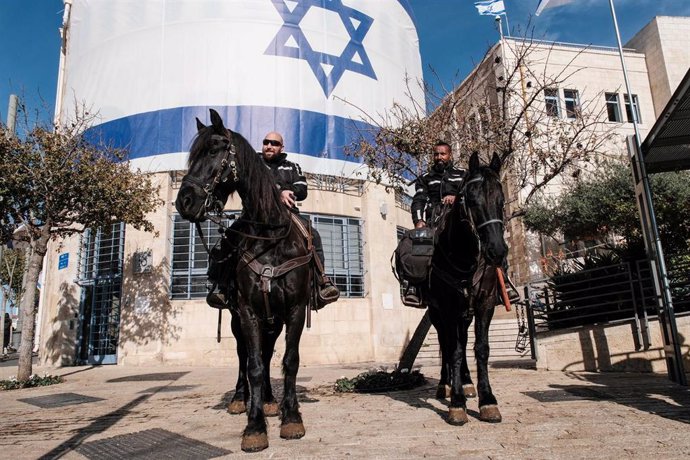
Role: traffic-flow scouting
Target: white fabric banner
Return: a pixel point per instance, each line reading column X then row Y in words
column 150, row 67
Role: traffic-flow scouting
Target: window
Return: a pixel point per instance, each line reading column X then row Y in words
column 571, row 98
column 613, row 107
column 189, row 258
column 342, row 247
column 628, row 109
column 551, row 99
column 101, row 253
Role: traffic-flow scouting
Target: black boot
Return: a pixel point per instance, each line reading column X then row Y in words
column 328, row 292
column 216, row 298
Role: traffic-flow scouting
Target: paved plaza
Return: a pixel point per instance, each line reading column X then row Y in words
column 113, row 412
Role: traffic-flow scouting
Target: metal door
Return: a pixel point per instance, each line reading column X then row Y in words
column 101, row 281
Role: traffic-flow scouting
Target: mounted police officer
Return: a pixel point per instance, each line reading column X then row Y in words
column 436, row 188
column 293, row 187
column 433, row 190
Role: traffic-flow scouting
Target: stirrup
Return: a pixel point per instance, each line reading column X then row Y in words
column 411, row 300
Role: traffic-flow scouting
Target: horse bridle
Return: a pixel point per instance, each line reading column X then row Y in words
column 479, row 179
column 228, row 170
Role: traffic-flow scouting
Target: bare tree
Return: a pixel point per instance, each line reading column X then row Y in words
column 57, row 183
column 500, row 107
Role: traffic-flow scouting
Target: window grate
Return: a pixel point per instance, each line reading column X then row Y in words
column 343, row 251
column 342, row 246
column 189, row 259
column 100, row 254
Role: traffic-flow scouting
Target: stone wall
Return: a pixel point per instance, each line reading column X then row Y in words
column 155, row 329
column 608, row 348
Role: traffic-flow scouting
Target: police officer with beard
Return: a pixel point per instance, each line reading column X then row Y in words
column 437, row 187
column 433, row 190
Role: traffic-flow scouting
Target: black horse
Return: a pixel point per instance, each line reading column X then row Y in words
column 463, row 286
column 273, row 273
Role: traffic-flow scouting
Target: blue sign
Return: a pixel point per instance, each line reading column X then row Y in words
column 63, row 261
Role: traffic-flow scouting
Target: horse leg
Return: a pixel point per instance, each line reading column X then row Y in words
column 488, row 406
column 443, row 388
column 291, row 420
column 457, row 410
column 467, row 386
column 271, row 408
column 254, row 437
column 238, row 404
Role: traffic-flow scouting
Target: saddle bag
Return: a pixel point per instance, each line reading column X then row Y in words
column 413, row 255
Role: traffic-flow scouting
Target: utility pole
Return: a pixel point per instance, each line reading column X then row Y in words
column 650, row 232
column 11, row 125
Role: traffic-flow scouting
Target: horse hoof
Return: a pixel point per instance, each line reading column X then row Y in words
column 469, row 390
column 442, row 392
column 292, row 430
column 490, row 413
column 237, row 407
column 457, row 416
column 271, row 409
column 254, row 442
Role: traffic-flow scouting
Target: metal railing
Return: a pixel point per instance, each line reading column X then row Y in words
column 607, row 294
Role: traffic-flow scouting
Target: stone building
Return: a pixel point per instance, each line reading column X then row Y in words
column 586, row 78
column 135, row 298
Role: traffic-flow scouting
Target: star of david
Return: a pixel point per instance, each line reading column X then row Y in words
column 290, row 41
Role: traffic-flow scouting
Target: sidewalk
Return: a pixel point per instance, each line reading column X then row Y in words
column 131, row 412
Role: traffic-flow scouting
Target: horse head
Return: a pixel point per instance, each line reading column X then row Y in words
column 484, row 200
column 212, row 171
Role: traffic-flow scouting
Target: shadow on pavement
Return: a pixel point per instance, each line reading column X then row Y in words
column 650, row 393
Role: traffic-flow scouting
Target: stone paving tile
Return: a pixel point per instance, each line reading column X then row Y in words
column 647, row 416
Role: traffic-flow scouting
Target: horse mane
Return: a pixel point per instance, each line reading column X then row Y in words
column 257, row 188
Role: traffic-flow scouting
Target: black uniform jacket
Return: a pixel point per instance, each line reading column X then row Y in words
column 288, row 176
column 430, row 190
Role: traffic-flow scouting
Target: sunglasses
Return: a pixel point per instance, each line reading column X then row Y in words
column 272, row 142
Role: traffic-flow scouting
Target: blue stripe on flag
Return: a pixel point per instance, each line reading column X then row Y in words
column 172, row 130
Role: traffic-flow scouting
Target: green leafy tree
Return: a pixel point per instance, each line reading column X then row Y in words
column 55, row 184
column 604, row 205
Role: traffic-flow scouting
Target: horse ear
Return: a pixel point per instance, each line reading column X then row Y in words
column 474, row 162
column 495, row 163
column 217, row 122
column 199, row 125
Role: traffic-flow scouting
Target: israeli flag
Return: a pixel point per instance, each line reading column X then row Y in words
column 313, row 70
column 490, row 7
column 543, row 4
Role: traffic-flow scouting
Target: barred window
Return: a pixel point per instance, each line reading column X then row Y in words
column 342, row 246
column 189, row 258
column 100, row 255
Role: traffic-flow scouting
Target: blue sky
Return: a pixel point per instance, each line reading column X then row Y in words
column 453, row 37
